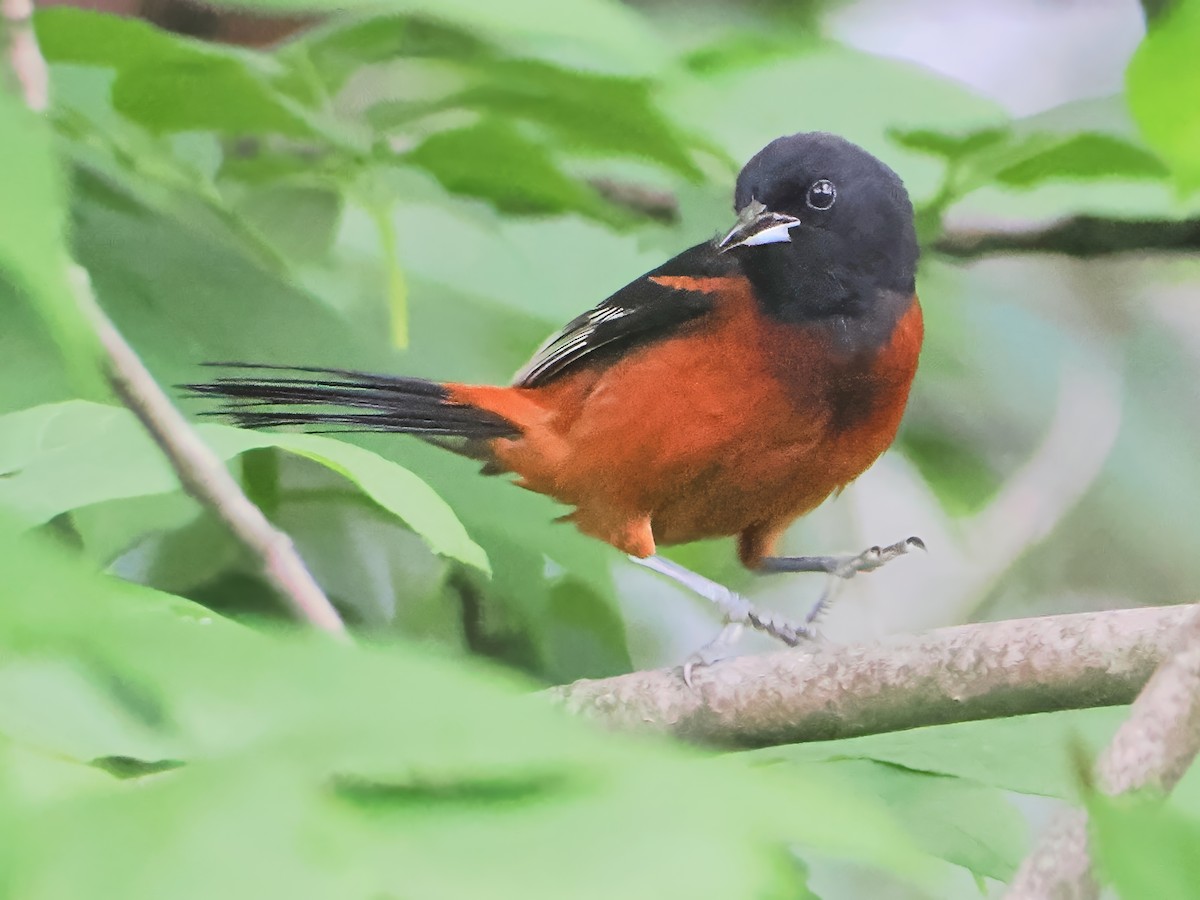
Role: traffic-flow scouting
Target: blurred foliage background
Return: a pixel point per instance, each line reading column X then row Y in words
column 432, row 188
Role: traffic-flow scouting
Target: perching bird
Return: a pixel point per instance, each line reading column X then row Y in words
column 727, row 392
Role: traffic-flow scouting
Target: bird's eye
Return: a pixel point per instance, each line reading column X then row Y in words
column 821, row 194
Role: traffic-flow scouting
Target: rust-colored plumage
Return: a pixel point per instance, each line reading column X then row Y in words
column 725, row 393
column 663, row 446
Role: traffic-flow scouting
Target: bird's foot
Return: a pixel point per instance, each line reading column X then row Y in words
column 841, row 569
column 874, row 558
column 714, row 651
column 735, row 609
column 840, row 566
column 739, row 612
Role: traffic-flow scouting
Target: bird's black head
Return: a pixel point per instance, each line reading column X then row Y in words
column 824, row 228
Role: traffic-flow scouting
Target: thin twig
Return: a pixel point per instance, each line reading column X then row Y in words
column 1152, row 748
column 1084, row 237
column 24, row 56
column 653, row 203
column 949, row 675
column 202, row 474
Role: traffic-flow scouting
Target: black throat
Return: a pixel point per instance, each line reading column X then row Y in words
column 814, row 284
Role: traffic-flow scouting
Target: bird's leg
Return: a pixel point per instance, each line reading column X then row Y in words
column 840, row 568
column 736, row 610
column 716, row 649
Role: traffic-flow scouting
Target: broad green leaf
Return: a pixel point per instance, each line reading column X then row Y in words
column 135, row 167
column 185, row 288
column 389, row 761
column 742, row 49
column 32, row 370
column 299, row 218
column 965, row 823
column 186, row 284
column 368, row 563
column 1144, row 848
column 545, row 576
column 339, row 47
column 585, row 112
column 601, row 34
column 93, row 717
column 36, row 777
column 1031, row 153
column 1083, row 156
column 1027, row 754
column 275, row 828
column 175, row 547
column 948, row 145
column 392, row 487
column 493, row 160
column 60, row 457
column 171, row 83
column 33, row 258
column 1163, row 85
column 1028, row 158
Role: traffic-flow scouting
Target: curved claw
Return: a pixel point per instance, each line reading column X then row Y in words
column 714, row 651
column 876, row 557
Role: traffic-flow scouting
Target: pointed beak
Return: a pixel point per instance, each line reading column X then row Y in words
column 758, row 225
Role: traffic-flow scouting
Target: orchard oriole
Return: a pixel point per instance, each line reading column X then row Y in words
column 727, row 392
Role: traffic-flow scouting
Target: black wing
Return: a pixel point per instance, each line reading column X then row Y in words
column 641, row 311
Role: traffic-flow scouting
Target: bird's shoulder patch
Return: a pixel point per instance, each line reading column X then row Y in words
column 649, row 308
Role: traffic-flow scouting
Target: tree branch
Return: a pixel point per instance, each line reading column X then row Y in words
column 1083, row 237
column 200, row 472
column 1152, row 748
column 949, row 675
column 24, row 55
column 653, row 203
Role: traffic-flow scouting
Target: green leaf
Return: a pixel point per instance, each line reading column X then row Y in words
column 300, row 219
column 93, row 716
column 1033, row 151
column 1028, row 158
column 1087, row 157
column 1163, row 86
column 965, row 823
column 1027, row 754
column 1075, row 148
column 341, row 46
column 601, row 34
column 740, row 49
column 32, row 368
column 63, row 456
column 388, row 762
column 948, row 145
column 102, row 146
column 392, row 487
column 493, row 160
column 586, row 112
column 37, row 777
column 169, row 83
column 33, row 257
column 1144, row 848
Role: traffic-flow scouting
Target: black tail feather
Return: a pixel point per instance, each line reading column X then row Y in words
column 387, row 403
